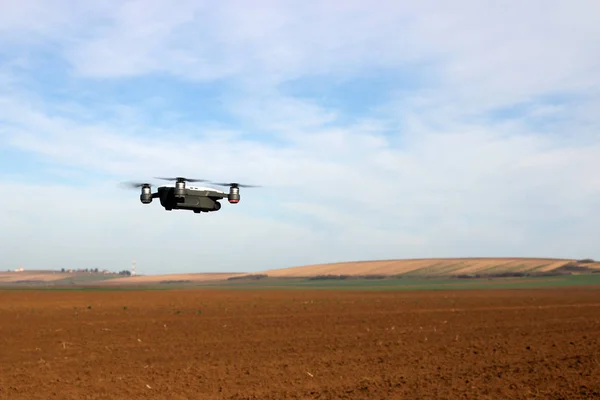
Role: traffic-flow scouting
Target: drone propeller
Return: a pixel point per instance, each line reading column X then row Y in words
column 233, row 184
column 134, row 185
column 181, row 179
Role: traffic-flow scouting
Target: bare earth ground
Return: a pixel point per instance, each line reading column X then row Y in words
column 217, row 344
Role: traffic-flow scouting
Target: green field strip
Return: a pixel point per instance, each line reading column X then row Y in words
column 414, row 283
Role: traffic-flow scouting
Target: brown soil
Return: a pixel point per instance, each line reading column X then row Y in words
column 217, row 344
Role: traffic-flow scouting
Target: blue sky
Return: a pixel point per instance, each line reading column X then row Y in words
column 378, row 130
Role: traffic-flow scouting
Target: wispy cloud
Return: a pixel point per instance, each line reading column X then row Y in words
column 378, row 130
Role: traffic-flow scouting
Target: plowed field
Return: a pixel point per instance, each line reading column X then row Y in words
column 217, row 344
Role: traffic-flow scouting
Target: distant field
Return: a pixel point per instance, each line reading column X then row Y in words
column 175, row 278
column 387, row 284
column 56, row 278
column 410, row 283
column 45, row 276
column 53, row 277
column 431, row 267
column 380, row 274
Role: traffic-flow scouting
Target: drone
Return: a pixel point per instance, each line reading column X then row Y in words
column 194, row 198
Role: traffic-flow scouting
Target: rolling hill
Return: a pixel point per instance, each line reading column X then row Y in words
column 438, row 267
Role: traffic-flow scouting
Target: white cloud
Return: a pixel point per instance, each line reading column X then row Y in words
column 468, row 46
column 427, row 173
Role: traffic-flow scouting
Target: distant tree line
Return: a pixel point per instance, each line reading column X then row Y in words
column 82, row 270
column 344, row 277
column 250, row 276
column 586, row 261
column 124, row 272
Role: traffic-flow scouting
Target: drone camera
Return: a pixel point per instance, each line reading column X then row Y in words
column 146, row 196
column 234, row 195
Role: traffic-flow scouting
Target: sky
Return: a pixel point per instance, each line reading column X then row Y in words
column 377, row 130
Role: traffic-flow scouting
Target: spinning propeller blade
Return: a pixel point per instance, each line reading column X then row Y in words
column 234, row 184
column 181, row 179
column 134, row 185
